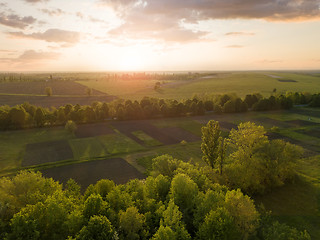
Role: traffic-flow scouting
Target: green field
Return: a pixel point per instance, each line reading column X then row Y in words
column 13, row 144
column 148, row 141
column 241, row 83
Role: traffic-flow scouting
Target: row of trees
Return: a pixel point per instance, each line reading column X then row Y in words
column 178, row 201
column 26, row 115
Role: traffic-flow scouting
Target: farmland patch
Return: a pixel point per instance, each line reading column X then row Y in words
column 286, row 80
column 92, row 130
column 87, row 148
column 315, row 132
column 38, row 88
column 45, row 152
column 147, row 140
column 130, row 126
column 87, row 173
column 301, row 123
column 119, row 143
column 181, row 134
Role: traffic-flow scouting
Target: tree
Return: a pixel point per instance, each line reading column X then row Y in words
column 94, row 205
column 172, row 218
column 39, row 117
column 132, row 223
column 89, row 91
column 98, row 228
column 184, row 193
column 258, row 164
column 157, row 86
column 218, row 224
column 71, row 126
column 243, row 212
column 164, row 233
column 247, row 139
column 48, row 91
column 18, row 117
column 211, row 143
column 278, row 231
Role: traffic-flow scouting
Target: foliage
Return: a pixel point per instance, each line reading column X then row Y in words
column 213, row 145
column 258, row 164
column 48, row 91
column 158, row 208
column 26, row 115
column 278, row 231
column 71, row 126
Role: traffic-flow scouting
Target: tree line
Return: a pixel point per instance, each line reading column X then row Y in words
column 28, row 116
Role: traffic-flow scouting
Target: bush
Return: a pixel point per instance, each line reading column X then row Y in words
column 71, row 126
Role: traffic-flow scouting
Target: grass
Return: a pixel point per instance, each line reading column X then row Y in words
column 120, row 88
column 87, row 148
column 119, row 143
column 101, row 146
column 291, row 133
column 298, row 203
column 13, row 143
column 149, row 141
column 240, row 82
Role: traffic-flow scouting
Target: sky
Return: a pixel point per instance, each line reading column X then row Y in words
column 159, row 35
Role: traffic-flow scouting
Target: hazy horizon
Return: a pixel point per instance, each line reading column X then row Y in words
column 159, row 36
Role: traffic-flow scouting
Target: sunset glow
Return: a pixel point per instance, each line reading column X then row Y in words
column 135, row 35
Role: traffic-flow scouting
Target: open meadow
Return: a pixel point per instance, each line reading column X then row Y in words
column 241, row 83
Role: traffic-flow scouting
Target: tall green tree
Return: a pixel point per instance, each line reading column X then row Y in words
column 98, row 228
column 211, row 143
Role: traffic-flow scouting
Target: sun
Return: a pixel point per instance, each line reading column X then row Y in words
column 131, row 61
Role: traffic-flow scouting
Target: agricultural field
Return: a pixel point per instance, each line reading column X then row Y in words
column 72, row 88
column 63, row 92
column 241, row 83
column 60, row 88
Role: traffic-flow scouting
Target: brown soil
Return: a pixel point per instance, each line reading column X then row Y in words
column 88, row 173
column 181, row 134
column 92, row 130
column 45, row 152
column 130, row 126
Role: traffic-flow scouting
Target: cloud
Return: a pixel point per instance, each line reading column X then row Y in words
column 234, row 46
column 96, row 20
column 267, row 61
column 53, row 12
column 154, row 18
column 51, row 35
column 80, row 15
column 16, row 21
column 32, row 56
column 279, row 10
column 239, row 34
column 35, row 1
column 7, row 51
